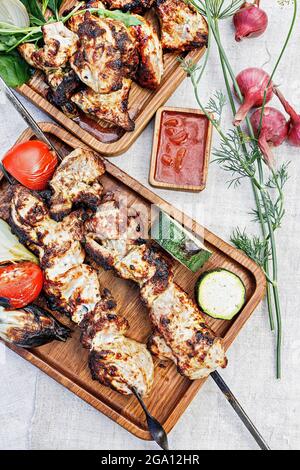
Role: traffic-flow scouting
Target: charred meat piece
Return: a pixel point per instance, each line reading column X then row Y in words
column 63, row 84
column 109, row 235
column 160, row 349
column 195, row 349
column 74, row 292
column 29, row 218
column 136, row 6
column 31, row 222
column 180, row 330
column 151, row 67
column 31, row 327
column 112, row 107
column 182, row 27
column 76, row 181
column 60, row 45
column 115, row 360
column 106, row 53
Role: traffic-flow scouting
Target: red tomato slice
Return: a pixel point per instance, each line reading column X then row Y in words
column 20, row 284
column 31, row 163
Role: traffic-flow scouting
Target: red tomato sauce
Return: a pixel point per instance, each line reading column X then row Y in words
column 181, row 148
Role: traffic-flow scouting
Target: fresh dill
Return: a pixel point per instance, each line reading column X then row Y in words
column 241, row 157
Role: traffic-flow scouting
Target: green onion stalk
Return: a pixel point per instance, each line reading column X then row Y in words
column 214, row 11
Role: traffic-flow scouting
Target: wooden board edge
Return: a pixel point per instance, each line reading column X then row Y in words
column 78, row 391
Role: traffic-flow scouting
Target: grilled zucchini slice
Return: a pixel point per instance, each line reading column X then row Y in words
column 220, row 294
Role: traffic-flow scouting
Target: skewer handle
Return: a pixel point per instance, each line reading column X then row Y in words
column 239, row 411
column 27, row 117
column 156, row 430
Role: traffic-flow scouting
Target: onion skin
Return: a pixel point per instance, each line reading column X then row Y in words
column 250, row 21
column 274, row 131
column 294, row 124
column 253, row 83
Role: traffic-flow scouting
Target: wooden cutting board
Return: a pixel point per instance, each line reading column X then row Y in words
column 172, row 393
column 143, row 104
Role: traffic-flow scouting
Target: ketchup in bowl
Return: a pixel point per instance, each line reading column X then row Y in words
column 182, row 146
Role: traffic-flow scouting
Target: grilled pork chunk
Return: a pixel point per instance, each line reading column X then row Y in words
column 106, row 53
column 115, row 359
column 195, row 349
column 182, row 27
column 151, row 66
column 73, row 288
column 112, row 107
column 60, row 45
column 63, row 84
column 136, row 6
column 76, row 181
column 181, row 333
column 31, row 327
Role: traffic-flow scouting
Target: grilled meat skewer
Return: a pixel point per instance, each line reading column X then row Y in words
column 73, row 288
column 31, row 327
column 180, row 331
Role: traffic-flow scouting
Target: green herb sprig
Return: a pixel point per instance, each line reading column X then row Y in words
column 242, row 158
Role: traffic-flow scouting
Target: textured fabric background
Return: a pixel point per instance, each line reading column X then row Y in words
column 37, row 413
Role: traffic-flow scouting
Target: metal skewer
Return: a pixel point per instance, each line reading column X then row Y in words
column 27, row 117
column 156, row 430
column 239, row 410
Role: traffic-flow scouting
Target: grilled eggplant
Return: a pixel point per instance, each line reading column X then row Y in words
column 31, row 327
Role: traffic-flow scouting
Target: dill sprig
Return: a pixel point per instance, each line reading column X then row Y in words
column 242, row 157
column 216, row 105
column 255, row 247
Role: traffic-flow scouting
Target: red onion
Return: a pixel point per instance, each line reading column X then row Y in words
column 294, row 130
column 250, row 21
column 253, row 83
column 273, row 132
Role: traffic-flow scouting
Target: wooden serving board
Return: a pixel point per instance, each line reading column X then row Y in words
column 143, row 104
column 172, row 393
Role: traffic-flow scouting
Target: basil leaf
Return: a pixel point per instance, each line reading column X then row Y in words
column 126, row 18
column 6, row 42
column 55, row 5
column 13, row 69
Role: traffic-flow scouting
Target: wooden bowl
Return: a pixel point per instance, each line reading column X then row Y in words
column 156, row 141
